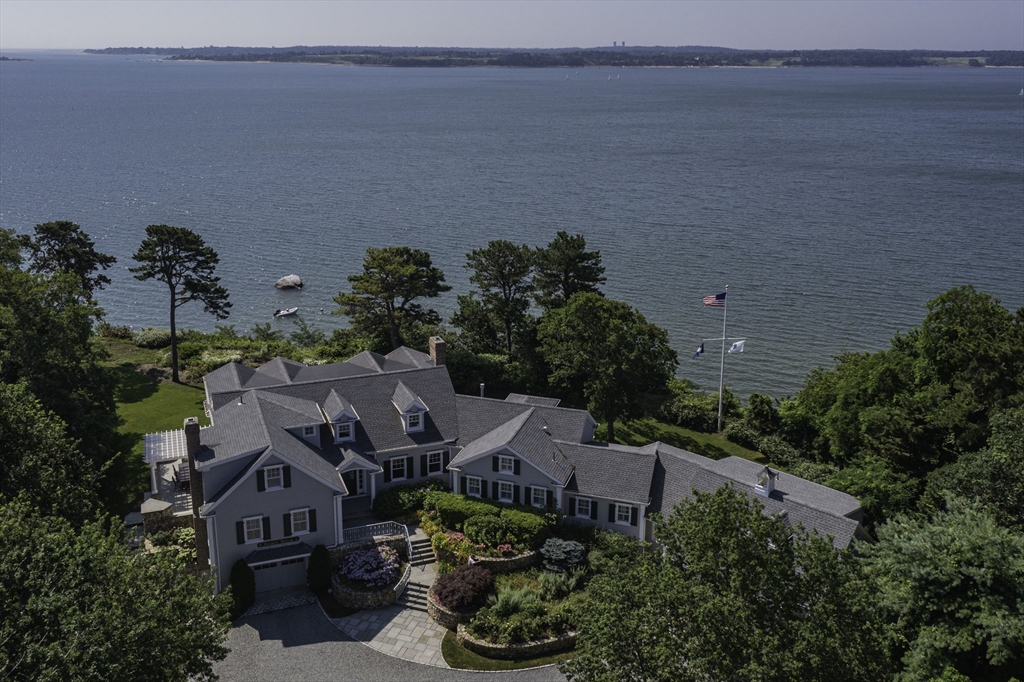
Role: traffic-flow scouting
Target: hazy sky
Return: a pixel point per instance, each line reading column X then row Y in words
column 754, row 24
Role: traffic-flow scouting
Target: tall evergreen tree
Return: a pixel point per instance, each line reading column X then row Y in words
column 502, row 272
column 180, row 258
column 63, row 246
column 564, row 268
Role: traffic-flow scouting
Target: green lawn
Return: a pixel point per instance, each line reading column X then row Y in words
column 457, row 656
column 713, row 445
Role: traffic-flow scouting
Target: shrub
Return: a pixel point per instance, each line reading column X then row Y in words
column 778, row 451
column 562, row 555
column 742, row 433
column 514, row 615
column 375, row 567
column 696, row 411
column 464, row 588
column 318, row 573
column 151, row 337
column 485, row 529
column 451, row 549
column 109, row 331
column 453, row 510
column 558, row 585
column 404, row 500
column 526, row 528
column 243, row 588
column 610, row 550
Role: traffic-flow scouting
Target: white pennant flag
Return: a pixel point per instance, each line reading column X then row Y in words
column 737, row 347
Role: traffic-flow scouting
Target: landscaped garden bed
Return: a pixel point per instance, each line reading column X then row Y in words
column 369, row 578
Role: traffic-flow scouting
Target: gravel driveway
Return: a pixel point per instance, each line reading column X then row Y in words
column 301, row 644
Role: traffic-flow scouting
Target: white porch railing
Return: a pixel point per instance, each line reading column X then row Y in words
column 377, row 530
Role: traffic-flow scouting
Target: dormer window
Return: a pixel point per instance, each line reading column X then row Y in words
column 413, row 422
column 308, row 431
column 410, row 407
column 343, row 432
column 765, row 482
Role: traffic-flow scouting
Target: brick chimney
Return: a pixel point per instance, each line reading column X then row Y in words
column 196, row 486
column 437, row 350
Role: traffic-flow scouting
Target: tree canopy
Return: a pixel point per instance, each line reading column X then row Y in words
column 63, row 246
column 180, row 258
column 502, row 272
column 737, row 595
column 610, row 352
column 385, row 294
column 83, row 605
column 564, row 268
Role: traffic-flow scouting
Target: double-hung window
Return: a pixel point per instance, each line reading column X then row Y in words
column 583, row 507
column 622, row 512
column 343, row 432
column 415, row 422
column 274, row 477
column 472, row 486
column 507, row 465
column 434, row 462
column 539, row 497
column 397, row 468
column 253, row 528
column 504, row 491
column 300, row 521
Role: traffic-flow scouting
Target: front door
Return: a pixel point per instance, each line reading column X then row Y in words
column 360, row 482
column 355, row 481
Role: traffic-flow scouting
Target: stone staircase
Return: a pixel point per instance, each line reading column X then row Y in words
column 422, row 561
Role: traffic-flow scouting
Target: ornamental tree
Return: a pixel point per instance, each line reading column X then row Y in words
column 385, row 294
column 610, row 352
column 180, row 258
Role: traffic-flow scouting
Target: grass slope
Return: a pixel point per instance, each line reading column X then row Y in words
column 713, row 445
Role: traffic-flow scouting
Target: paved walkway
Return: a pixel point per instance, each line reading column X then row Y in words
column 398, row 631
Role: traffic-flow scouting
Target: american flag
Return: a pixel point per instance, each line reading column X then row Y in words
column 716, row 301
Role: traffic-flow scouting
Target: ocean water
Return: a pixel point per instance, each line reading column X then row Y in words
column 834, row 202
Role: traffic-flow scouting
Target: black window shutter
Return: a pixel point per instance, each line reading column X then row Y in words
column 446, row 458
column 515, row 466
column 266, row 527
column 240, row 530
column 311, row 515
column 287, row 476
column 527, row 499
column 633, row 516
column 387, row 471
column 462, row 485
column 593, row 510
column 572, row 506
column 551, row 499
column 410, row 472
column 611, row 512
column 494, row 463
column 494, row 489
column 483, row 488
column 287, row 524
column 423, row 465
column 515, row 494
column 261, row 482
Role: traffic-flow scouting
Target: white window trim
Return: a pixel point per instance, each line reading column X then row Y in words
column 405, row 474
column 511, row 491
column 245, row 526
column 308, row 431
column 510, row 461
column 629, row 514
column 409, row 428
column 293, row 512
column 533, row 497
column 590, row 507
column 440, row 463
column 280, row 476
column 338, row 438
column 479, row 485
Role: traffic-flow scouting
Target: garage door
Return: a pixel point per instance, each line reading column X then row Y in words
column 280, row 574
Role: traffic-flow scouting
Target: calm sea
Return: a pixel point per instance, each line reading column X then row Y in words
column 835, row 202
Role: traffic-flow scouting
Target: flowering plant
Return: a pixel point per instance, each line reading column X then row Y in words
column 376, row 567
column 504, row 549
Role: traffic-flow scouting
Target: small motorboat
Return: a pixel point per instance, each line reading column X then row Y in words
column 285, row 312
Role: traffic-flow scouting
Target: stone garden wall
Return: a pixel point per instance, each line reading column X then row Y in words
column 498, row 565
column 515, row 652
column 443, row 616
column 359, row 599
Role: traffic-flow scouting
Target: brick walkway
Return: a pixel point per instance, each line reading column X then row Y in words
column 402, row 630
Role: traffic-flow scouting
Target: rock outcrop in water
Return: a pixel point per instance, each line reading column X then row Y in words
column 289, row 282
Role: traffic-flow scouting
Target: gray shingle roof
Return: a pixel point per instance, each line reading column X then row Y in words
column 612, row 472
column 408, row 356
column 532, row 400
column 404, row 398
column 477, row 416
column 335, row 405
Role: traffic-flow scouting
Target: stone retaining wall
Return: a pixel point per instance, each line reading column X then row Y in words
column 498, row 565
column 443, row 616
column 515, row 652
column 358, row 599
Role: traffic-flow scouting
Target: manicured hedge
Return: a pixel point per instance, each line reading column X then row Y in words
column 243, row 588
column 526, row 526
column 404, row 500
column 452, row 510
column 523, row 527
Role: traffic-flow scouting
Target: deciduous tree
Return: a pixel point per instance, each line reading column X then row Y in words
column 611, row 351
column 385, row 294
column 82, row 605
column 63, row 246
column 180, row 258
column 564, row 268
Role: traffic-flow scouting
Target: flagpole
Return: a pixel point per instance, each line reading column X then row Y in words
column 721, row 373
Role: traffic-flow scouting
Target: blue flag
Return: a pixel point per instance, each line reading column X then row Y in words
column 700, row 351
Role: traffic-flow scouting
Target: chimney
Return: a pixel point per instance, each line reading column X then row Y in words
column 437, row 350
column 481, row 389
column 192, row 446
